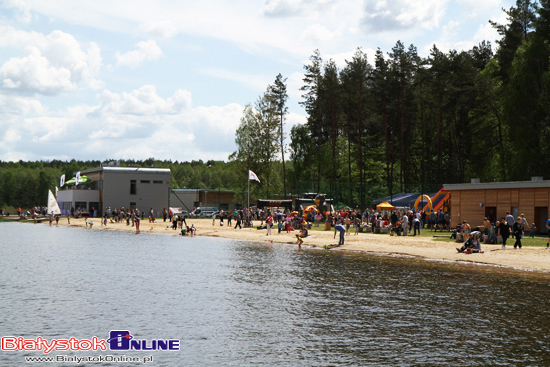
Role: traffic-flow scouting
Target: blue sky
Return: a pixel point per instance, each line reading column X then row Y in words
column 169, row 79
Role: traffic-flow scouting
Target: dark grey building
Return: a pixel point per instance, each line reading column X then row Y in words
column 119, row 187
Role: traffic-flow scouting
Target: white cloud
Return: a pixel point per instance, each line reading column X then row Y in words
column 34, row 72
column 317, row 34
column 282, row 8
column 20, row 106
column 22, row 10
column 139, row 124
column 294, row 82
column 403, row 14
column 162, row 29
column 475, row 8
column 453, row 36
column 254, row 81
column 145, row 51
column 52, row 64
column 144, row 102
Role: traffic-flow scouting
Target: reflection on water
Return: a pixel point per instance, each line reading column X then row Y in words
column 235, row 303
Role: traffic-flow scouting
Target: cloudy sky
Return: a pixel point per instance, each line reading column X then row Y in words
column 121, row 79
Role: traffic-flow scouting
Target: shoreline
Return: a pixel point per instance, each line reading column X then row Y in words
column 525, row 259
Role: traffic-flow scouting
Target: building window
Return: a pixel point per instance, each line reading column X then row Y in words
column 132, row 206
column 158, row 182
column 515, row 211
column 133, row 187
column 144, row 181
column 81, row 205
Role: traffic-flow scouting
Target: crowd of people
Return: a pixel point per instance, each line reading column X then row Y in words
column 397, row 222
column 494, row 231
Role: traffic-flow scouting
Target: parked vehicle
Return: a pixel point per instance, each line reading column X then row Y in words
column 204, row 211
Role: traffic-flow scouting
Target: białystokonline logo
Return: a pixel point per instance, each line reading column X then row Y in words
column 119, row 340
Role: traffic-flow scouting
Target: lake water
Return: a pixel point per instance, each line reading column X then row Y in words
column 232, row 303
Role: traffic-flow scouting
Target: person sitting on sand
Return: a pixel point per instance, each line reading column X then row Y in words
column 471, row 245
column 303, row 234
column 398, row 229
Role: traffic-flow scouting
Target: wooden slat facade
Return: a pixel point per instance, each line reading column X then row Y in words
column 465, row 204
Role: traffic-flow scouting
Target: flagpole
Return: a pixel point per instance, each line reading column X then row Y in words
column 248, row 203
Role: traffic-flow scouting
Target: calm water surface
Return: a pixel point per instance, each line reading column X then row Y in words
column 232, row 303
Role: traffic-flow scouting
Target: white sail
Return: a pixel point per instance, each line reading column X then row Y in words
column 53, row 207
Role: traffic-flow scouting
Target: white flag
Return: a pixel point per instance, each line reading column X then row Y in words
column 77, row 178
column 62, row 181
column 56, row 191
column 252, row 176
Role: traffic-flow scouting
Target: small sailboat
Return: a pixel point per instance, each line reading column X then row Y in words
column 53, row 206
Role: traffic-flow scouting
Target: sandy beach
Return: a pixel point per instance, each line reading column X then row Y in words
column 527, row 258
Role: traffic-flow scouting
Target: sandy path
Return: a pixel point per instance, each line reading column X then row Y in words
column 528, row 258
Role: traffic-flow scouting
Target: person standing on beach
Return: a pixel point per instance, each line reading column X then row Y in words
column 405, row 224
column 393, row 219
column 510, row 219
column 268, row 224
column 342, row 230
column 504, row 232
column 238, row 220
column 517, row 230
column 416, row 226
column 548, row 230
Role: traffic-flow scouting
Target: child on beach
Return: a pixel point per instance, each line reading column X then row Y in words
column 303, row 234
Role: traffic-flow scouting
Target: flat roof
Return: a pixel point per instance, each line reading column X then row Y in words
column 201, row 190
column 128, row 170
column 498, row 185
